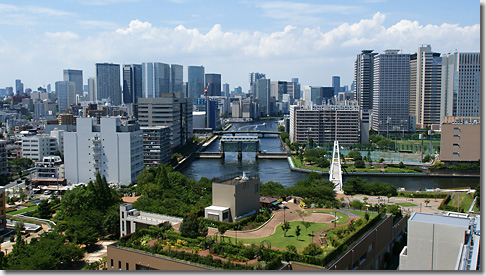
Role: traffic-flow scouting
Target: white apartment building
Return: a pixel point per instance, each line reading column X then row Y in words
column 110, row 148
column 37, row 146
column 325, row 124
column 49, row 167
column 442, row 242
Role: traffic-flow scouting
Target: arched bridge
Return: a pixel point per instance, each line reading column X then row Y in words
column 234, row 132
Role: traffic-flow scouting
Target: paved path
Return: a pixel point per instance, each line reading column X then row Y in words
column 268, row 229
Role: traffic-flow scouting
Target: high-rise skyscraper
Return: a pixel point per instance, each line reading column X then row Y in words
column 108, row 82
column 176, row 78
column 92, row 89
column 391, row 90
column 461, row 83
column 155, row 79
column 132, row 83
column 293, row 88
column 336, row 84
column 425, row 87
column 277, row 89
column 226, row 90
column 254, row 77
column 19, row 87
column 195, row 82
column 66, row 95
column 214, row 87
column 75, row 76
column 263, row 96
column 363, row 79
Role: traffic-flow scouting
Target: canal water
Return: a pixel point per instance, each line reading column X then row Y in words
column 278, row 170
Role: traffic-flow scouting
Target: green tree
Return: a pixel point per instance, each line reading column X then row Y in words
column 356, row 204
column 191, row 227
column 401, row 165
column 222, row 229
column 285, row 227
column 356, row 155
column 312, row 250
column 297, row 231
column 426, row 159
column 359, row 164
column 44, row 209
column 281, row 128
column 272, row 188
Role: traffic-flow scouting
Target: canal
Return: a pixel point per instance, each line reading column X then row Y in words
column 279, row 171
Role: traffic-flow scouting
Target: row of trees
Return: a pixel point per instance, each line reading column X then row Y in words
column 358, row 185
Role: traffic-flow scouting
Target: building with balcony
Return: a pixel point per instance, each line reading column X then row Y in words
column 111, row 148
column 3, row 159
column 156, row 145
column 325, row 124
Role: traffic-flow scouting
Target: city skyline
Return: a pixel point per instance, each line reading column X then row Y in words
column 309, row 40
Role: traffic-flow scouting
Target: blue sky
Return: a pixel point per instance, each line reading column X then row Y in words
column 311, row 40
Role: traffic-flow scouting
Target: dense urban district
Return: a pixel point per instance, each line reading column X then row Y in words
column 92, row 172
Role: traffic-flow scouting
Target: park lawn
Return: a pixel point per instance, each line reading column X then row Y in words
column 277, row 239
column 342, row 218
column 465, row 200
column 352, row 168
column 28, row 209
column 406, row 204
column 299, row 164
column 362, row 213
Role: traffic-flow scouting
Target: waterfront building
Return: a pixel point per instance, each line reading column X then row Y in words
column 132, row 83
column 235, row 197
column 325, row 124
column 66, row 95
column 213, row 81
column 155, row 79
column 171, row 110
column 156, row 145
column 263, row 96
column 75, row 76
column 441, row 242
column 110, row 148
column 425, row 87
column 108, row 82
column 391, row 91
column 461, row 84
column 37, row 146
column 195, row 82
column 460, row 139
column 253, row 78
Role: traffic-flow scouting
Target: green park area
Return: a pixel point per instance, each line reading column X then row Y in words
column 20, row 211
column 406, row 204
column 278, row 239
column 342, row 218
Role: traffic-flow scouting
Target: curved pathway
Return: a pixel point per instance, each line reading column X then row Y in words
column 268, row 229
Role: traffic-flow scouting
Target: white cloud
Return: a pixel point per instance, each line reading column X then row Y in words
column 308, row 53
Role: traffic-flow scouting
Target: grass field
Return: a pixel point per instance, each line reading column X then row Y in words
column 28, row 209
column 278, row 239
column 406, row 204
column 342, row 218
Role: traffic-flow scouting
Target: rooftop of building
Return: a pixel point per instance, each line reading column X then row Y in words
column 441, row 219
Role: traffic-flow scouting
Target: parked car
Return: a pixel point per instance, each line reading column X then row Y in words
column 47, row 192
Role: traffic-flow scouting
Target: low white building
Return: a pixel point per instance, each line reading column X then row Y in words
column 131, row 219
column 110, row 148
column 37, row 146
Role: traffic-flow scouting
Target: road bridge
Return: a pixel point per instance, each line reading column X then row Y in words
column 258, row 132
